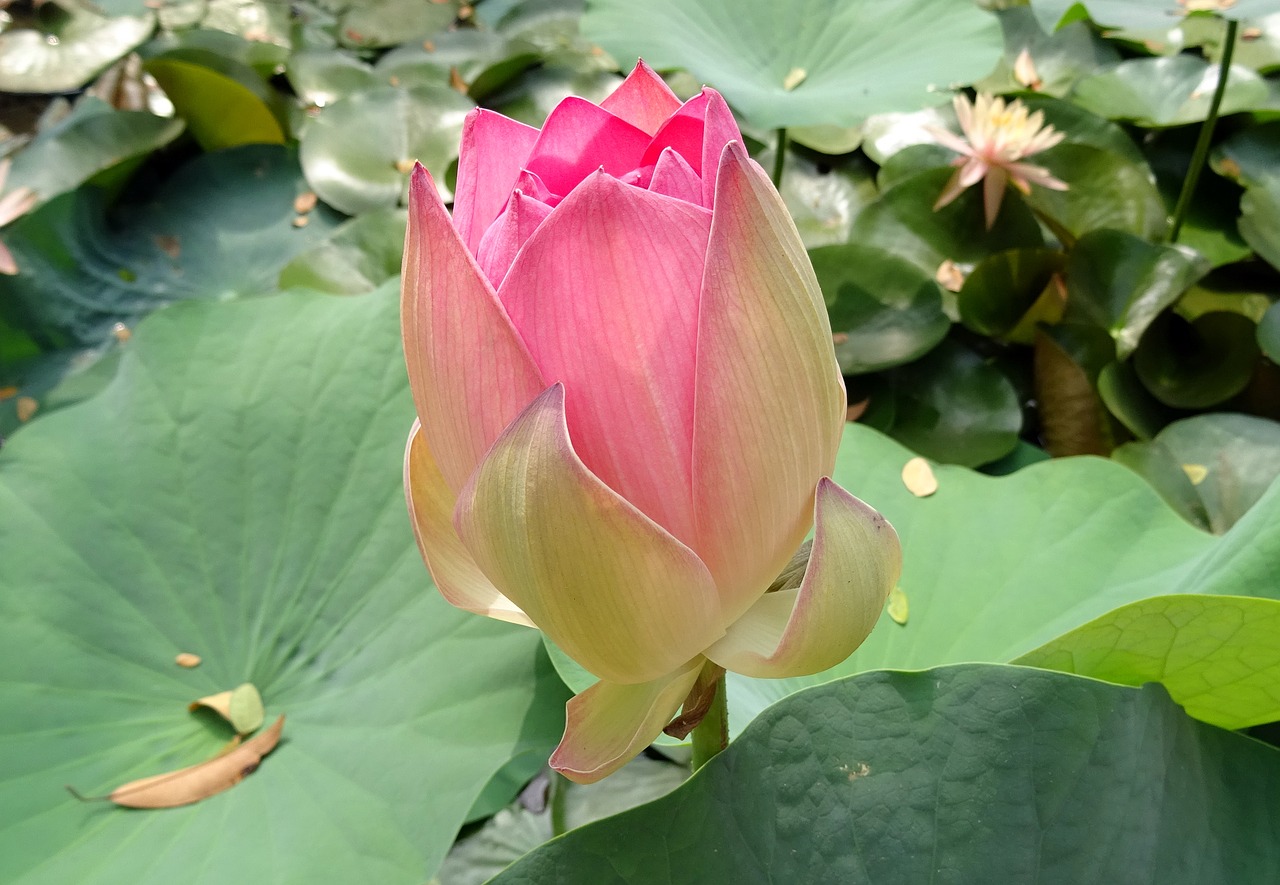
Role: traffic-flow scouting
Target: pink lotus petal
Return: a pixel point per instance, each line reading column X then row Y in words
column 855, row 561
column 468, row 370
column 608, row 724
column 644, row 100
column 673, row 176
column 603, row 309
column 532, row 186
column 771, row 402
column 579, row 138
column 698, row 132
column 494, row 149
column 608, row 585
column 455, row 573
column 505, row 236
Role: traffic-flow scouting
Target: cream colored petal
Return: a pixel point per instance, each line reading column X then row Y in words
column 612, row 588
column 855, row 561
column 609, row 724
column 456, row 574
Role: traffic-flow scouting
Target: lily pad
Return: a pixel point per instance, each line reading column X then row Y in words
column 904, row 223
column 1210, row 468
column 1121, row 282
column 835, row 62
column 83, row 44
column 953, row 406
column 1172, row 91
column 358, row 153
column 361, row 255
column 224, row 102
column 884, row 310
column 1104, row 190
column 1173, row 640
column 1197, row 364
column 377, row 23
column 247, row 507
column 94, row 137
column 1059, row 59
column 1002, row 289
column 985, row 772
column 1269, row 333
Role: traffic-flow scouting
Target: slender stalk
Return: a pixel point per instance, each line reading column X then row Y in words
column 711, row 735
column 779, row 158
column 1201, row 152
column 559, row 789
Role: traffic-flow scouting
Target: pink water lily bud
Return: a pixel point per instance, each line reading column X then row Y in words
column 629, row 408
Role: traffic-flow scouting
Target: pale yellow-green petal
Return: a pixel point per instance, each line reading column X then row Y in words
column 613, row 589
column 609, row 724
column 456, row 574
column 855, row 561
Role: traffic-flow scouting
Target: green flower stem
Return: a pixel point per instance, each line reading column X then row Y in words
column 559, row 789
column 779, row 158
column 1201, row 153
column 711, row 735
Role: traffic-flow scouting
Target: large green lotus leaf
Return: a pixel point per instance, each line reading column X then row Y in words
column 1146, row 14
column 236, row 493
column 94, row 137
column 1177, row 641
column 904, row 223
column 1121, row 282
column 1173, row 91
column 223, row 225
column 885, row 311
column 1211, row 468
column 361, row 255
column 1060, row 58
column 358, row 153
column 968, row 775
column 804, row 63
column 77, row 46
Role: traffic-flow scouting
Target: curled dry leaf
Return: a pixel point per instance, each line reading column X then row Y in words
column 208, row 778
column 794, row 78
column 1195, row 472
column 241, row 706
column 918, row 477
column 187, row 659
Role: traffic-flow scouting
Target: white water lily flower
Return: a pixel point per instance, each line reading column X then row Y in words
column 998, row 137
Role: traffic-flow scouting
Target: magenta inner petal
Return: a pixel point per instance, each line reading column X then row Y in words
column 644, row 100
column 605, row 295
column 579, row 138
column 494, row 150
column 505, row 236
column 674, row 177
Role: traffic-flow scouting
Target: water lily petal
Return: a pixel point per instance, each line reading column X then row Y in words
column 505, row 236
column 469, row 372
column 494, row 149
column 993, row 193
column 616, row 592
column 609, row 724
column 771, row 402
column 855, row 561
column 597, row 295
column 698, row 132
column 580, row 137
column 455, row 573
column 644, row 100
column 673, row 176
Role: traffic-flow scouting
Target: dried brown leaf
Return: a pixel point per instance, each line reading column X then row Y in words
column 304, row 202
column 241, row 706
column 26, row 407
column 187, row 659
column 196, row 782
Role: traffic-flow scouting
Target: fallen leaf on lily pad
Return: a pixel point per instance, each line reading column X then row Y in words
column 241, row 706
column 196, row 782
column 187, row 659
column 918, row 477
column 897, row 606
